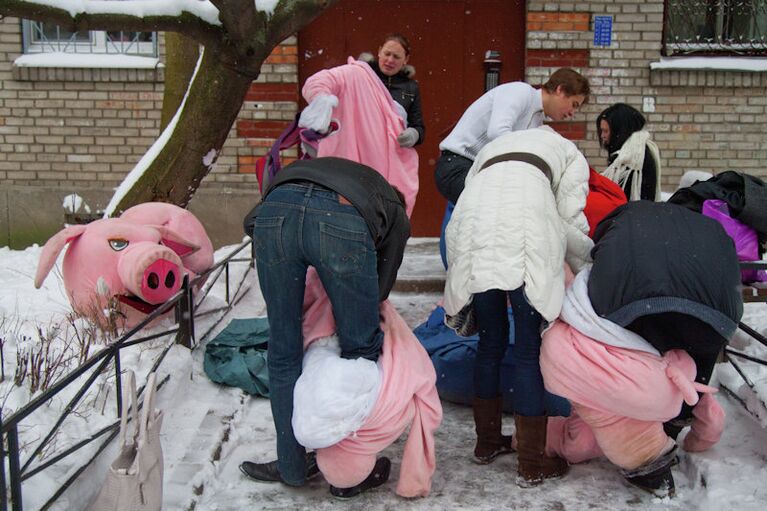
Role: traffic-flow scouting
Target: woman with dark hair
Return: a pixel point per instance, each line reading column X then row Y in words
column 391, row 66
column 634, row 159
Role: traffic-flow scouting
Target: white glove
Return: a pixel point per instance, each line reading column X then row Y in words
column 408, row 138
column 316, row 115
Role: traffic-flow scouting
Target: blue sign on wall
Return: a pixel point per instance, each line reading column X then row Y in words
column 603, row 30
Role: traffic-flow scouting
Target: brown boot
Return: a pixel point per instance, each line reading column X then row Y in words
column 487, row 420
column 534, row 466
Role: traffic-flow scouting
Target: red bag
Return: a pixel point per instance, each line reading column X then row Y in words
column 604, row 196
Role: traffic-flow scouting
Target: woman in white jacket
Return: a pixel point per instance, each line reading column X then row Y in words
column 519, row 218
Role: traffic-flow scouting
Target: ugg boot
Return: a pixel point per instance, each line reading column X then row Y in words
column 534, row 466
column 487, row 421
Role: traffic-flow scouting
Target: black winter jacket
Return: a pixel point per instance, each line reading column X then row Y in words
column 667, row 273
column 404, row 90
column 372, row 196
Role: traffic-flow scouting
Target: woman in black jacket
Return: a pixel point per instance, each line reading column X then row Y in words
column 634, row 160
column 392, row 68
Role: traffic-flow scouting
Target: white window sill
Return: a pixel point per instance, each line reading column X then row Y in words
column 87, row 61
column 749, row 64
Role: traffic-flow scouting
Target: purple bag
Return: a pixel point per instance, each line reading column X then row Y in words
column 744, row 236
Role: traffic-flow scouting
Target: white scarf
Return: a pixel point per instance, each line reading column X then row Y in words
column 578, row 312
column 629, row 163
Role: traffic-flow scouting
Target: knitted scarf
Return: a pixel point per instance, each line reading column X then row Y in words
column 629, row 163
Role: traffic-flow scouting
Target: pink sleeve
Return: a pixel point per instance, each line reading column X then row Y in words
column 327, row 81
column 707, row 425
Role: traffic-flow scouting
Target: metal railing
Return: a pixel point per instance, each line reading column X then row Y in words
column 732, row 356
column 183, row 302
column 715, row 27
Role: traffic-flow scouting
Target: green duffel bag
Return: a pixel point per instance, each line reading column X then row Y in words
column 237, row 356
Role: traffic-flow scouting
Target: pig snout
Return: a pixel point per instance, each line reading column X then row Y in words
column 152, row 272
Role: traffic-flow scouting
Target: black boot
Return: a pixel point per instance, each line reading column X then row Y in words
column 377, row 477
column 487, row 423
column 268, row 472
column 655, row 476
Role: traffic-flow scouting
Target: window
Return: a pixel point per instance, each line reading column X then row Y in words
column 715, row 27
column 46, row 38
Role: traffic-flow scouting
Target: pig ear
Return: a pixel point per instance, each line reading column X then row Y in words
column 51, row 251
column 176, row 243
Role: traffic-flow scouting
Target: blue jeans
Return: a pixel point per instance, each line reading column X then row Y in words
column 493, row 322
column 301, row 225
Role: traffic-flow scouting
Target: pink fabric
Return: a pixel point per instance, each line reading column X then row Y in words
column 408, row 397
column 368, row 125
column 616, row 380
column 622, row 397
column 707, row 425
column 113, row 257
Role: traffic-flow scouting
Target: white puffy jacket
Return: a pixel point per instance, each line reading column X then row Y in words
column 512, row 226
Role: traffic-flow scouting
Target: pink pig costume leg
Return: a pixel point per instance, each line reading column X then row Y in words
column 620, row 399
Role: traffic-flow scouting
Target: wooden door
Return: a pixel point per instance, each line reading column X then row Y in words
column 449, row 39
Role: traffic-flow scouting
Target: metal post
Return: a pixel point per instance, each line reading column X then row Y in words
column 118, row 384
column 3, row 488
column 185, row 316
column 13, row 467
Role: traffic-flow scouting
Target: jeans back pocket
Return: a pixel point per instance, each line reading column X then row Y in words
column 343, row 251
column 267, row 238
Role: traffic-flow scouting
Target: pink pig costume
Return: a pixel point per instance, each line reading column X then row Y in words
column 637, row 337
column 139, row 258
column 405, row 397
column 368, row 124
column 622, row 390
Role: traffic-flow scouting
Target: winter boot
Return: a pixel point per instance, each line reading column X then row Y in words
column 268, row 472
column 487, row 422
column 655, row 476
column 377, row 477
column 534, row 466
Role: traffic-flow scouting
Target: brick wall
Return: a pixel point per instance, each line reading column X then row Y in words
column 702, row 119
column 82, row 130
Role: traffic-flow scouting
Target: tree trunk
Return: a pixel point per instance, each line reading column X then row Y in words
column 182, row 54
column 212, row 105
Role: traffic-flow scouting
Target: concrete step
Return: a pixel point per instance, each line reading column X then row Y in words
column 422, row 270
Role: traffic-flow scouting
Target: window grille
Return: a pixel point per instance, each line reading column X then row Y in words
column 715, row 27
column 47, row 38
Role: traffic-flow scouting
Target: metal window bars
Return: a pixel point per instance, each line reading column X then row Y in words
column 185, row 308
column 39, row 37
column 715, row 27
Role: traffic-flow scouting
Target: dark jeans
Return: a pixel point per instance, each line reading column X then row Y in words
column 493, row 322
column 450, row 174
column 301, row 225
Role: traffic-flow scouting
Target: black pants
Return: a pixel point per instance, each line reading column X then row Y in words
column 450, row 174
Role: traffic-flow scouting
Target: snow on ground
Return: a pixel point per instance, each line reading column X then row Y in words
column 209, row 429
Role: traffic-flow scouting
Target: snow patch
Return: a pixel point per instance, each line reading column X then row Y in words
column 209, row 159
column 73, row 202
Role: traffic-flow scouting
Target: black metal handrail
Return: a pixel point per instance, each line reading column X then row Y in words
column 185, row 312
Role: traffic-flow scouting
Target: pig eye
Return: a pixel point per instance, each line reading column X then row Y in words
column 118, row 244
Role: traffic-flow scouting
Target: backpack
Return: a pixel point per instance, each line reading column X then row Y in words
column 269, row 164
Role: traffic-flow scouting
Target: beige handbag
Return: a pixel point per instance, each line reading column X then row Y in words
column 134, row 480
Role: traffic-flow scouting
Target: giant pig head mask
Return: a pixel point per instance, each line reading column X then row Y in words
column 140, row 259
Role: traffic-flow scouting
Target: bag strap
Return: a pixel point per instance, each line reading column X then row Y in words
column 130, row 401
column 147, row 413
column 532, row 159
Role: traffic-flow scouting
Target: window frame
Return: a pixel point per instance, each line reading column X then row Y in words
column 723, row 24
column 97, row 42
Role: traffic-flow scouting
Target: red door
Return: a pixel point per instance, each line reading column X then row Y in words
column 448, row 39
